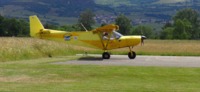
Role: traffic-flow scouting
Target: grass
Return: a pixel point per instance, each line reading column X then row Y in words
column 40, row 75
column 166, row 48
column 13, row 48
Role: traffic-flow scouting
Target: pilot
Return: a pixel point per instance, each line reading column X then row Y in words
column 105, row 35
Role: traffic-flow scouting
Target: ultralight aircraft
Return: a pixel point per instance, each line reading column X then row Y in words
column 105, row 38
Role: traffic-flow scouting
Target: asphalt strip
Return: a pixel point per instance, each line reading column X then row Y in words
column 123, row 60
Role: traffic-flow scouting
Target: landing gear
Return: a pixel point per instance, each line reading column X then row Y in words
column 106, row 55
column 132, row 55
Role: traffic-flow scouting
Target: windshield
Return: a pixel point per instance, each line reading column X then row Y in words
column 117, row 35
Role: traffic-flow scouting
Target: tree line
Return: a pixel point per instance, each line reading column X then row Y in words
column 13, row 27
column 185, row 25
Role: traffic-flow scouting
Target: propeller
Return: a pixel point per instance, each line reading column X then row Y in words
column 142, row 36
column 142, row 39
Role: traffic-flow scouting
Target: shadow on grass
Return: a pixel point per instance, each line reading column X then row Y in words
column 90, row 58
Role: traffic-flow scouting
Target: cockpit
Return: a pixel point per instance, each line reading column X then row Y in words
column 117, row 35
column 113, row 35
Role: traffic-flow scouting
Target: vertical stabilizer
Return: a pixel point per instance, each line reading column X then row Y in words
column 35, row 26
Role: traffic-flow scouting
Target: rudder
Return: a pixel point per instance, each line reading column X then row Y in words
column 35, row 26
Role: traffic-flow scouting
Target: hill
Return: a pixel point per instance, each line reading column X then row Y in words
column 67, row 11
column 116, row 3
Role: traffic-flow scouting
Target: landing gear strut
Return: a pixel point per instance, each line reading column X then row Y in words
column 106, row 55
column 131, row 54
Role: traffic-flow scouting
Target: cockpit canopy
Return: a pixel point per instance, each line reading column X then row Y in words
column 117, row 35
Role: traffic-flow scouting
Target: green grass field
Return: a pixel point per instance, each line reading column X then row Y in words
column 40, row 75
column 25, row 73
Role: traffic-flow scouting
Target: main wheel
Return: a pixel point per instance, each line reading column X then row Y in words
column 106, row 55
column 132, row 55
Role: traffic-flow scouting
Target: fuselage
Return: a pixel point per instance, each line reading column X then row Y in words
column 90, row 39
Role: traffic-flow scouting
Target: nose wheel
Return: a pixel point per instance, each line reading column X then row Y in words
column 106, row 55
column 132, row 55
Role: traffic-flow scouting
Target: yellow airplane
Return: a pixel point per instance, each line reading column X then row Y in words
column 105, row 38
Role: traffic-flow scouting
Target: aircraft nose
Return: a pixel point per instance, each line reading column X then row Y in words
column 142, row 39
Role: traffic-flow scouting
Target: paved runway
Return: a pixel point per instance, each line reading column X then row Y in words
column 123, row 60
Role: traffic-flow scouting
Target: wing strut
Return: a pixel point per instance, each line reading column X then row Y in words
column 105, row 45
column 84, row 27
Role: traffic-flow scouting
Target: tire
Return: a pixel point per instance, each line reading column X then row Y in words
column 106, row 55
column 132, row 55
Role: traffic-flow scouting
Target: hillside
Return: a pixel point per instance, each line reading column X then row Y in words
column 116, row 3
column 67, row 11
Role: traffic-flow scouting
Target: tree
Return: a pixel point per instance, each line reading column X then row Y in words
column 191, row 16
column 143, row 30
column 103, row 24
column 185, row 26
column 67, row 28
column 167, row 33
column 10, row 27
column 50, row 26
column 124, row 24
column 23, row 28
column 86, row 18
column 182, row 29
column 13, row 27
column 168, row 24
column 1, row 25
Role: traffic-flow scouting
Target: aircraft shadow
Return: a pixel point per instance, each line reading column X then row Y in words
column 90, row 58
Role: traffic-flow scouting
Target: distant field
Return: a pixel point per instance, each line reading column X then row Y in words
column 28, row 48
column 128, row 2
column 171, row 1
column 113, row 3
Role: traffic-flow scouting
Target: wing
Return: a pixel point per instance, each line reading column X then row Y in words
column 107, row 28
